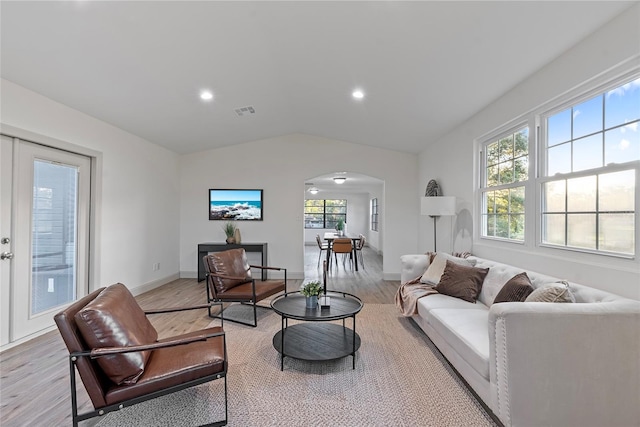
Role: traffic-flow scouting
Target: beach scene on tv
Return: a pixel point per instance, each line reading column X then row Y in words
column 235, row 204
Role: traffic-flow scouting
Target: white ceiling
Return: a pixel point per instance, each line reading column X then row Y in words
column 425, row 66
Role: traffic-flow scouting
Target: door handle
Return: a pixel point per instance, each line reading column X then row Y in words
column 6, row 255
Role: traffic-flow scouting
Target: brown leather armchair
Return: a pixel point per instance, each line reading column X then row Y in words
column 121, row 362
column 229, row 279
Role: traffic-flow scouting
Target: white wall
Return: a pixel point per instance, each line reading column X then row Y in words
column 137, row 214
column 451, row 159
column 280, row 166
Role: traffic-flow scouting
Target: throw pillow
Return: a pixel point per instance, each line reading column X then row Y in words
column 114, row 319
column 517, row 288
column 461, row 281
column 437, row 266
column 552, row 292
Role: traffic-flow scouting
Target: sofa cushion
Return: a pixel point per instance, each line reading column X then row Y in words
column 436, row 301
column 467, row 331
column 552, row 292
column 438, row 264
column 516, row 289
column 461, row 281
column 114, row 319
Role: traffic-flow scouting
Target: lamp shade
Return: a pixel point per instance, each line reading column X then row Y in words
column 438, row 206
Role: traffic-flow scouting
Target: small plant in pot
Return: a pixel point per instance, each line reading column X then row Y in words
column 311, row 290
column 340, row 226
column 229, row 230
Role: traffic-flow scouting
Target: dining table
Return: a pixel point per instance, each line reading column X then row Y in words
column 331, row 236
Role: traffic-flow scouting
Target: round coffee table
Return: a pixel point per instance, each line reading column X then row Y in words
column 316, row 340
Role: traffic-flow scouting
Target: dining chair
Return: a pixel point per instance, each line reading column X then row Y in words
column 343, row 246
column 359, row 249
column 322, row 246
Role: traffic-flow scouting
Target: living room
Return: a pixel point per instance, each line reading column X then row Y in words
column 149, row 201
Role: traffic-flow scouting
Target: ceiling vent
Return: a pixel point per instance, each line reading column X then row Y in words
column 245, row 111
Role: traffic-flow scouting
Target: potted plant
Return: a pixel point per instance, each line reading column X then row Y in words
column 311, row 290
column 340, row 227
column 229, row 230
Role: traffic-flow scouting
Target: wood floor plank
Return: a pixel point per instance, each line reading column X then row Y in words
column 34, row 376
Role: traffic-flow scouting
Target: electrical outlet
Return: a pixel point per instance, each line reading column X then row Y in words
column 156, row 266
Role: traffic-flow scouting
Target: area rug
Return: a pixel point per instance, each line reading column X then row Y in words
column 400, row 380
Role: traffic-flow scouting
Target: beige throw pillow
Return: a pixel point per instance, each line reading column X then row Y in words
column 436, row 268
column 552, row 292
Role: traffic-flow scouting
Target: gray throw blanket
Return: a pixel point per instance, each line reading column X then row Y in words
column 409, row 293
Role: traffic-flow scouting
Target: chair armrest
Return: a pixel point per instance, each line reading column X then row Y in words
column 564, row 356
column 107, row 351
column 174, row 309
column 267, row 268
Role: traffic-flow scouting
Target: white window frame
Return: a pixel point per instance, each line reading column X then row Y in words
column 542, row 178
column 482, row 144
column 533, row 188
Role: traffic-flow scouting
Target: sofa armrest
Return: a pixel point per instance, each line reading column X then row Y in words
column 413, row 265
column 565, row 364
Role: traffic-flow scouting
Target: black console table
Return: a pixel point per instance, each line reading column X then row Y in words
column 205, row 248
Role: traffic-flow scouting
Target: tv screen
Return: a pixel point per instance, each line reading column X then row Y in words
column 235, row 205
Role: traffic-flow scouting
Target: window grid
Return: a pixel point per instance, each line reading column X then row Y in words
column 374, row 214
column 605, row 145
column 506, row 170
column 319, row 213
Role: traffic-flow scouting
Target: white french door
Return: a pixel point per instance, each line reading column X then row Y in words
column 49, row 234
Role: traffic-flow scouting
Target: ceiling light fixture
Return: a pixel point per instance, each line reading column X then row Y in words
column 313, row 190
column 357, row 94
column 339, row 179
column 206, row 95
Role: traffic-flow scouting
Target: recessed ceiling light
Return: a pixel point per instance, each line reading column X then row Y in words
column 206, row 95
column 313, row 190
column 339, row 179
column 357, row 94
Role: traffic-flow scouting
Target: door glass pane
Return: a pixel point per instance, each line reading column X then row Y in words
column 53, row 235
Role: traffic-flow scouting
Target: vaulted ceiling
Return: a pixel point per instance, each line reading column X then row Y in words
column 424, row 67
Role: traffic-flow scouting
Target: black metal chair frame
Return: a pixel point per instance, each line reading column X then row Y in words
column 250, row 301
column 107, row 351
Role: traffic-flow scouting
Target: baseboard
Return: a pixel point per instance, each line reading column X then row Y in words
column 188, row 274
column 295, row 275
column 391, row 276
column 154, row 284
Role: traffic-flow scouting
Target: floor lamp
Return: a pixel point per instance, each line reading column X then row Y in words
column 436, row 206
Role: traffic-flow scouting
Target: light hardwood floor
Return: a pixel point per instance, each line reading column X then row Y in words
column 34, row 377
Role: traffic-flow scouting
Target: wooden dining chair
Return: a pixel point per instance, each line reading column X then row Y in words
column 343, row 246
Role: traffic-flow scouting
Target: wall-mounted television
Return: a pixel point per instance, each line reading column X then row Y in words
column 235, row 205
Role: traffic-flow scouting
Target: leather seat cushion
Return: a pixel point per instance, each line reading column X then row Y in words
column 175, row 365
column 264, row 289
column 114, row 319
column 228, row 263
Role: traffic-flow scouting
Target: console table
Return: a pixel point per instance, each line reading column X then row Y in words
column 205, row 248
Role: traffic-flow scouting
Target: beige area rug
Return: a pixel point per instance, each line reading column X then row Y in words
column 399, row 380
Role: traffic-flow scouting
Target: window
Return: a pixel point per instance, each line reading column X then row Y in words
column 590, row 156
column 505, row 172
column 578, row 191
column 324, row 213
column 374, row 214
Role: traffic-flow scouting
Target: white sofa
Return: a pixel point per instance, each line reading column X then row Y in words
column 536, row 363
